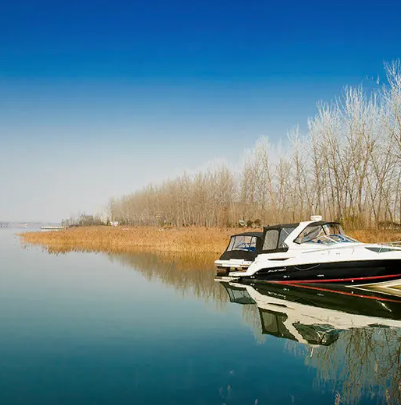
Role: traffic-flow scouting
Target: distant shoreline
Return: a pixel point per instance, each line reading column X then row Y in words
column 187, row 240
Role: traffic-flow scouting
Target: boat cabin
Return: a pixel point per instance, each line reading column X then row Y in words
column 274, row 237
column 323, row 232
column 244, row 246
column 317, row 232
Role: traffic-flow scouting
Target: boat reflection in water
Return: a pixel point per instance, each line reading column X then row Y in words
column 351, row 337
column 314, row 315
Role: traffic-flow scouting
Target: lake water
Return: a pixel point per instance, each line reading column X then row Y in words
column 94, row 329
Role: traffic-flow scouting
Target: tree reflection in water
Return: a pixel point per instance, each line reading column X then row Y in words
column 362, row 362
column 187, row 273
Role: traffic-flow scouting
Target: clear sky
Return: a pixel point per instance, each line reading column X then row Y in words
column 98, row 98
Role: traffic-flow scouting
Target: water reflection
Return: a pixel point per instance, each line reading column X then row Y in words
column 351, row 337
column 189, row 274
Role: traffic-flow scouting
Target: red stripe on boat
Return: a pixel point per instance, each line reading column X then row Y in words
column 371, row 297
column 334, row 279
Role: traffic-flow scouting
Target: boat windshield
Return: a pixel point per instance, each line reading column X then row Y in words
column 242, row 242
column 327, row 234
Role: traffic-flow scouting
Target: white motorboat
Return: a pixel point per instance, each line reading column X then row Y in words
column 318, row 251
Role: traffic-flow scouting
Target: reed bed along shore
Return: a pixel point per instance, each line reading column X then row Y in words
column 375, row 235
column 188, row 240
column 191, row 240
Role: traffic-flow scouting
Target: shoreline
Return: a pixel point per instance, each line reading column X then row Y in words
column 185, row 240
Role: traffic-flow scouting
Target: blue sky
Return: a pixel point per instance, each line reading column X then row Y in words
column 98, row 98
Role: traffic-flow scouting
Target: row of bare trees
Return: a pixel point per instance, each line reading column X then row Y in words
column 347, row 167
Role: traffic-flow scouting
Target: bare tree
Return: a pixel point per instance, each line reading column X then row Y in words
column 347, row 167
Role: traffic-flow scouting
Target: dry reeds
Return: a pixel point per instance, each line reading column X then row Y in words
column 131, row 239
column 375, row 235
column 188, row 240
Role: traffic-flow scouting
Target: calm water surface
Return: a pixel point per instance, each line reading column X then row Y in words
column 96, row 329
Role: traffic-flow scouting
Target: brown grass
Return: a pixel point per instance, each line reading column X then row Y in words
column 191, row 240
column 131, row 239
column 375, row 235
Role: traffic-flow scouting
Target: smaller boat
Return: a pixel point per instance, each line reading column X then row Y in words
column 240, row 252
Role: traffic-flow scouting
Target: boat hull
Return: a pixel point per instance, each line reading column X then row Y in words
column 223, row 267
column 349, row 272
